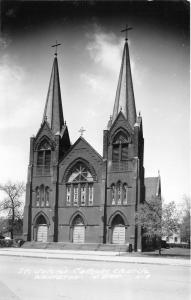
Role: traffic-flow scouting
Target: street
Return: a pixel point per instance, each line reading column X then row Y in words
column 26, row 278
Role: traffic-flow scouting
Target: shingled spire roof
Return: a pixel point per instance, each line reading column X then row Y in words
column 53, row 112
column 124, row 100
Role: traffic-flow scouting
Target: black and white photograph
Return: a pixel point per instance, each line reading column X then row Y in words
column 95, row 150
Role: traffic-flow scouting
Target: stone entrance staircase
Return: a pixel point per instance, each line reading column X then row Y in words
column 71, row 246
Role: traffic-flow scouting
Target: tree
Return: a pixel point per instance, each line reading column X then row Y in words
column 12, row 203
column 148, row 218
column 157, row 219
column 170, row 219
column 185, row 222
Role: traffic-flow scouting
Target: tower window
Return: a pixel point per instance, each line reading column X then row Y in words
column 124, row 151
column 44, row 159
column 47, row 196
column 125, row 193
column 37, row 197
column 113, row 194
column 115, row 153
column 42, row 196
column 119, row 193
column 120, row 147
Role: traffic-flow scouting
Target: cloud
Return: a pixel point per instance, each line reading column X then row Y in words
column 105, row 49
column 91, row 80
column 17, row 106
column 20, row 117
column 11, row 76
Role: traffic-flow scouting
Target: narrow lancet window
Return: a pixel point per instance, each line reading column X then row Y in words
column 125, row 193
column 68, row 201
column 37, row 197
column 83, row 194
column 47, row 195
column 75, row 200
column 113, row 194
column 119, row 193
column 91, row 194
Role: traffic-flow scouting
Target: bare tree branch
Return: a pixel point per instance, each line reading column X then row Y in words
column 12, row 202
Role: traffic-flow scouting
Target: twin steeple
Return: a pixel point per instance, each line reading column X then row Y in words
column 124, row 100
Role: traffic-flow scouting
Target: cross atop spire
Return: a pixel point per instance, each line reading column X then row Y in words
column 56, row 45
column 126, row 31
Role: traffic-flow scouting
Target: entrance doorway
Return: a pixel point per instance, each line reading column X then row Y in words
column 118, row 230
column 78, row 230
column 42, row 229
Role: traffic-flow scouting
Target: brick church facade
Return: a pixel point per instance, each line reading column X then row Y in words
column 74, row 194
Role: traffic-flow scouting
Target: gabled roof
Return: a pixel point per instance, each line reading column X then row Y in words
column 44, row 127
column 84, row 141
column 122, row 117
column 152, row 188
column 124, row 100
column 53, row 112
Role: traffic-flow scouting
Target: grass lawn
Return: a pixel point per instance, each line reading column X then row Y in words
column 171, row 252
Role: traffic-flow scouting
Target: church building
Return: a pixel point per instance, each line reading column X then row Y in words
column 76, row 195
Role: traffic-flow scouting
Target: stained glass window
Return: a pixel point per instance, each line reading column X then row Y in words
column 37, row 196
column 125, row 193
column 81, row 185
column 113, row 194
column 119, row 193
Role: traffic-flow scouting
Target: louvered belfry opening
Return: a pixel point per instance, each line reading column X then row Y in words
column 120, row 147
column 43, row 159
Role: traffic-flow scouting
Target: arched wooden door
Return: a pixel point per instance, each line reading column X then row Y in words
column 118, row 230
column 42, row 229
column 78, row 230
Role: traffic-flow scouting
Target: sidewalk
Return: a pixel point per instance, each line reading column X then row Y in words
column 92, row 256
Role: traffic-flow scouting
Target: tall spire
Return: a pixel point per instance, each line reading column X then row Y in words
column 53, row 112
column 124, row 100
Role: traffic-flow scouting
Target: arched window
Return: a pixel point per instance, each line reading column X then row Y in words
column 44, row 158
column 113, row 194
column 120, row 147
column 80, row 186
column 42, row 195
column 47, row 195
column 119, row 193
column 75, row 198
column 125, row 193
column 91, row 193
column 68, row 196
column 37, row 197
column 83, row 194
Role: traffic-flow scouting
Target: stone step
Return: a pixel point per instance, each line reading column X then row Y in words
column 71, row 246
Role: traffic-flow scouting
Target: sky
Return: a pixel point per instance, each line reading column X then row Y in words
column 89, row 63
